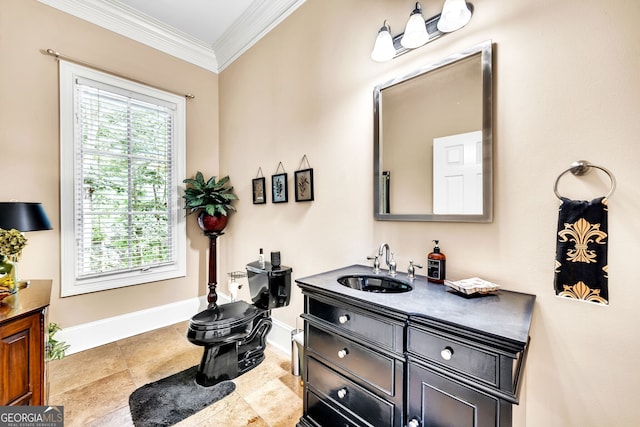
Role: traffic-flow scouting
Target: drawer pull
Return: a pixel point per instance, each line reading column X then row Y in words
column 343, row 319
column 342, row 353
column 447, row 353
column 342, row 393
column 413, row 422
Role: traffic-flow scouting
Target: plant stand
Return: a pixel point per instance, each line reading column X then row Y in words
column 212, row 297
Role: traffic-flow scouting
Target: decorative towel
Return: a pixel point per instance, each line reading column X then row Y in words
column 581, row 251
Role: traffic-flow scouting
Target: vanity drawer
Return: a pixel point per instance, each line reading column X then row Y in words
column 476, row 362
column 351, row 321
column 374, row 369
column 322, row 414
column 349, row 397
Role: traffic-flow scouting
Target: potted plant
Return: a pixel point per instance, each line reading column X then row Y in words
column 55, row 350
column 211, row 199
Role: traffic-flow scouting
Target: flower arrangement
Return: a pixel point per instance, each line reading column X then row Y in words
column 11, row 243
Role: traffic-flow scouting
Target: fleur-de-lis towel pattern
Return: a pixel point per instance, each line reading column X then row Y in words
column 581, row 251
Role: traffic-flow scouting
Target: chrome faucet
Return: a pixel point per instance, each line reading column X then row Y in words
column 381, row 250
column 392, row 265
column 388, row 258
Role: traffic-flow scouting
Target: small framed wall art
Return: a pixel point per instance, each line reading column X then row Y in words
column 259, row 195
column 279, row 190
column 304, row 185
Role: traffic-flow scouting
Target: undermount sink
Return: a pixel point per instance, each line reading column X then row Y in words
column 377, row 284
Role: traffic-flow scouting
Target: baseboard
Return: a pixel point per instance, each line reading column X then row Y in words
column 105, row 331
column 280, row 336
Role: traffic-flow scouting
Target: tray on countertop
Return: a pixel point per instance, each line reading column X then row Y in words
column 472, row 286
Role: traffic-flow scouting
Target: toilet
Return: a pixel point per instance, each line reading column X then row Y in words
column 234, row 334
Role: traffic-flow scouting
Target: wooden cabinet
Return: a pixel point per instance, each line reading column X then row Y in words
column 22, row 340
column 425, row 358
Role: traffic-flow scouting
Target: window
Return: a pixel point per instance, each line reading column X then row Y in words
column 122, row 157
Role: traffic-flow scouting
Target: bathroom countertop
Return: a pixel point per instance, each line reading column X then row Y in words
column 505, row 315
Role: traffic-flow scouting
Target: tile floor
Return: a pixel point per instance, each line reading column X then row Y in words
column 94, row 385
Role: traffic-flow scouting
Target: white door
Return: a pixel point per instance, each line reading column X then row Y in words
column 457, row 174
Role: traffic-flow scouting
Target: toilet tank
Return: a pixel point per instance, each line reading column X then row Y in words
column 270, row 286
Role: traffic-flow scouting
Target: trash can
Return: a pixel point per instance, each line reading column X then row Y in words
column 297, row 352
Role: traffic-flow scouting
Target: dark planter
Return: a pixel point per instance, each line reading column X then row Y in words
column 209, row 223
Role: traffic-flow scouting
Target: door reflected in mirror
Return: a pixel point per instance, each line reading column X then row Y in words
column 433, row 141
column 457, row 174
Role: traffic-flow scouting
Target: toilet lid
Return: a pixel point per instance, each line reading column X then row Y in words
column 225, row 315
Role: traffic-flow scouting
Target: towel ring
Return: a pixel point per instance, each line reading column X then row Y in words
column 582, row 167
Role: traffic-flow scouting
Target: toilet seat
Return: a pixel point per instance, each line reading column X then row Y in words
column 223, row 323
column 224, row 316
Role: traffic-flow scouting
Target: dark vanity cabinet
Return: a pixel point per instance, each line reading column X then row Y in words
column 424, row 358
column 354, row 365
column 459, row 379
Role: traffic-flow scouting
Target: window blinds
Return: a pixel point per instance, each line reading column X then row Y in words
column 123, row 145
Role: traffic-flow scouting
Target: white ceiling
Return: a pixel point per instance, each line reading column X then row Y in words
column 208, row 33
column 206, row 20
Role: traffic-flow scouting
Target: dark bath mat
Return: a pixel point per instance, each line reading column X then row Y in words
column 172, row 399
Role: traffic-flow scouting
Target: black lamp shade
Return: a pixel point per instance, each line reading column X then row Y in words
column 23, row 216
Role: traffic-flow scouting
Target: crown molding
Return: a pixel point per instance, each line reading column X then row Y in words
column 123, row 20
column 261, row 17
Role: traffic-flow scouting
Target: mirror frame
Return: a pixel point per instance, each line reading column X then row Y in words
column 485, row 50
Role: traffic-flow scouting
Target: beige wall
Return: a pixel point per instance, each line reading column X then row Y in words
column 566, row 88
column 30, row 142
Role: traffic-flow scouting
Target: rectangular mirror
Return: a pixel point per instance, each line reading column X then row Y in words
column 433, row 141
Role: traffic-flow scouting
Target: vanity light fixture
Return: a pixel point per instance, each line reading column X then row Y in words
column 418, row 31
column 415, row 33
column 383, row 49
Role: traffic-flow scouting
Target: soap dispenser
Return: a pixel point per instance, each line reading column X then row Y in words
column 436, row 265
